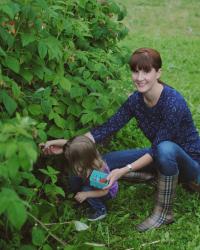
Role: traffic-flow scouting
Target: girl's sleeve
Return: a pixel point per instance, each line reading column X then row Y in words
column 116, row 122
column 174, row 110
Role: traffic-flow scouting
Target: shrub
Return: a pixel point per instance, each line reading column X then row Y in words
column 60, row 62
column 59, row 72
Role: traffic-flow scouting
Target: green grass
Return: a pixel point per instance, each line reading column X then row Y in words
column 173, row 28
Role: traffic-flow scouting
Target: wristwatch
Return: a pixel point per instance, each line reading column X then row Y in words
column 129, row 167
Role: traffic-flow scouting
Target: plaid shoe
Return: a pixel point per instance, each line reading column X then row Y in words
column 162, row 213
column 138, row 177
column 97, row 215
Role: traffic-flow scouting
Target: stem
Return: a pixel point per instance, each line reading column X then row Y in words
column 57, row 223
column 49, row 232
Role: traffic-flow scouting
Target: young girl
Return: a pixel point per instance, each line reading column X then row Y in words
column 83, row 158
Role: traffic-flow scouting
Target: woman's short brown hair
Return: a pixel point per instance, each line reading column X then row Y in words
column 145, row 59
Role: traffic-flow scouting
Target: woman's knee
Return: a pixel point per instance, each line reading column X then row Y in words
column 166, row 150
column 166, row 158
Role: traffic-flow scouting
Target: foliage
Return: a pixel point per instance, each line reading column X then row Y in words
column 54, row 54
column 29, row 86
column 59, row 70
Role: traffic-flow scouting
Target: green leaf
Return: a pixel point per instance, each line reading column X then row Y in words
column 85, row 118
column 27, row 247
column 42, row 135
column 2, row 52
column 15, row 90
column 39, row 71
column 31, row 179
column 46, row 106
column 54, row 48
column 89, row 102
column 86, row 74
column 7, row 37
column 8, row 102
column 60, row 109
column 10, row 9
column 89, row 116
column 27, row 75
column 42, row 49
column 55, row 132
column 16, row 211
column 11, row 149
column 4, row 203
column 28, row 192
column 47, row 247
column 65, row 84
column 51, row 172
column 59, row 121
column 13, row 166
column 78, row 92
column 42, row 125
column 75, row 110
column 51, row 189
column 38, row 236
column 12, row 63
column 29, row 149
column 82, row 3
column 3, row 171
column 27, row 38
column 35, row 109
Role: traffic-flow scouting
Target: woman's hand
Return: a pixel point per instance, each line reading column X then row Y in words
column 81, row 196
column 115, row 175
column 50, row 148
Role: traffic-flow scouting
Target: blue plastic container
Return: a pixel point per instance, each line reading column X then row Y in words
column 98, row 179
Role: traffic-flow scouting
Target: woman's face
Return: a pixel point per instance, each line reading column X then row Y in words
column 145, row 81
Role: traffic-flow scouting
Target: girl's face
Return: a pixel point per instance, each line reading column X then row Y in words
column 145, row 81
column 79, row 172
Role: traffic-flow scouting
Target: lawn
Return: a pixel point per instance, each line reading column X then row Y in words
column 173, row 28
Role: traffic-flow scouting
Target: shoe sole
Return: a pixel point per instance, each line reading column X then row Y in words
column 98, row 218
column 140, row 230
column 194, row 187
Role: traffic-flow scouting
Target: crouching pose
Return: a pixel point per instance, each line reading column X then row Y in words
column 165, row 119
column 83, row 158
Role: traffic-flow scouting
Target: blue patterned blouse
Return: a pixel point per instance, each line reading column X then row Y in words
column 169, row 120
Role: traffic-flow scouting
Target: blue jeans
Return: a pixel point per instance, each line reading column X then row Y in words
column 170, row 159
column 76, row 185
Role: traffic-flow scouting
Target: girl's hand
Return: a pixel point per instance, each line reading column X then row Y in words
column 114, row 176
column 81, row 196
column 48, row 148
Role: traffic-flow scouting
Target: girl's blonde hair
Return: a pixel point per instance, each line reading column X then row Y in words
column 82, row 155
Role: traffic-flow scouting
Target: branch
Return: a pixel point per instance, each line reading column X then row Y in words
column 49, row 232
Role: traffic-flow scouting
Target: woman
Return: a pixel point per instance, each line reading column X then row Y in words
column 165, row 119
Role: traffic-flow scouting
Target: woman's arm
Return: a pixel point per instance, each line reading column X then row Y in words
column 123, row 115
column 56, row 146
column 136, row 165
column 81, row 196
column 117, row 121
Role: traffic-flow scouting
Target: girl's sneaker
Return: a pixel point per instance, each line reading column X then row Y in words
column 97, row 215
